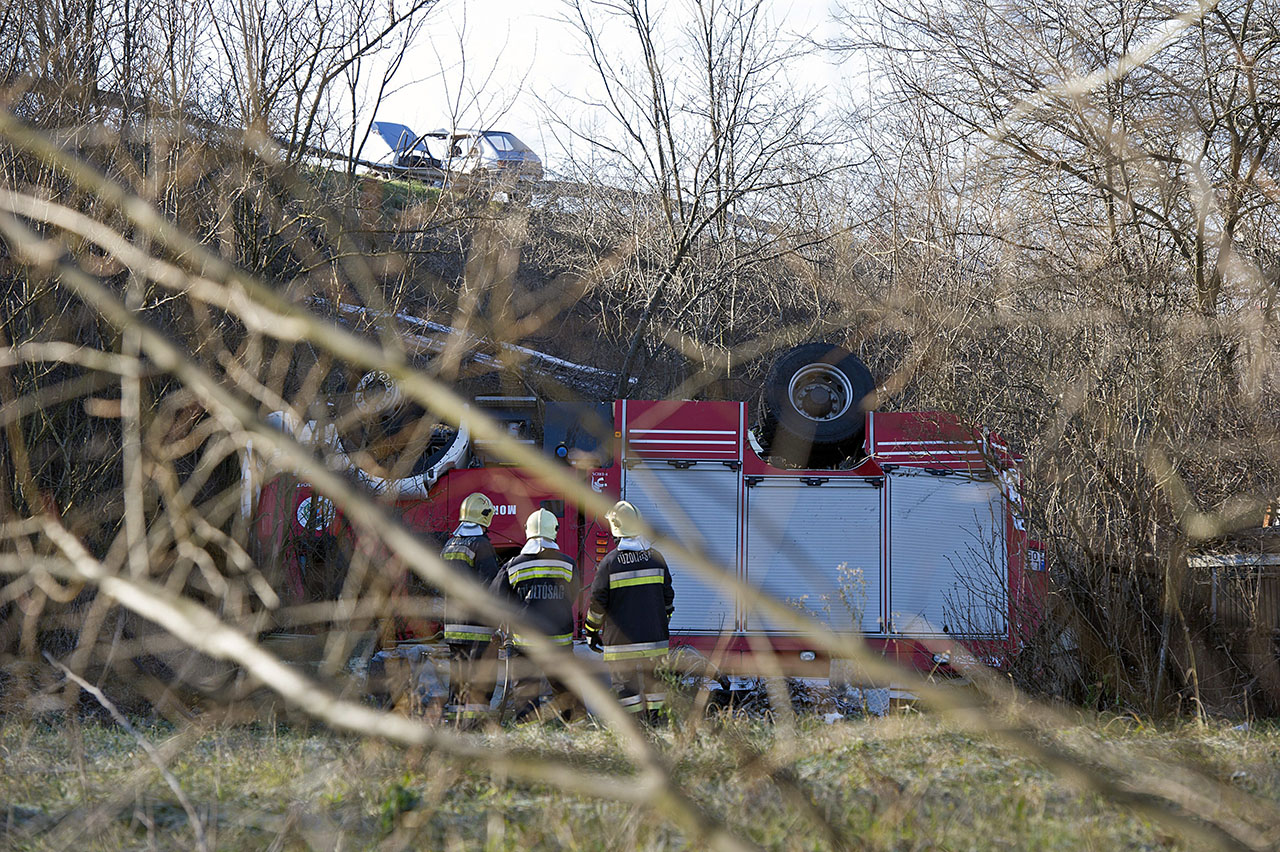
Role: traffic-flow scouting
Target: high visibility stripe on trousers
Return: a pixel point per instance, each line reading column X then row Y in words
column 558, row 639
column 635, row 651
column 467, row 633
column 466, row 711
column 647, row 701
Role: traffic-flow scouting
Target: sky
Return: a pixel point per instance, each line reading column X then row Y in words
column 501, row 60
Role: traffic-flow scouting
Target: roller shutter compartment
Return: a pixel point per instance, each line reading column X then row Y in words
column 817, row 548
column 698, row 507
column 948, row 563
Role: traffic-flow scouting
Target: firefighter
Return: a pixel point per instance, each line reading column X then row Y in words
column 544, row 582
column 471, row 665
column 631, row 605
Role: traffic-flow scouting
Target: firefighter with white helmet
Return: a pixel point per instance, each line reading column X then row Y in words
column 471, row 666
column 544, row 582
column 631, row 604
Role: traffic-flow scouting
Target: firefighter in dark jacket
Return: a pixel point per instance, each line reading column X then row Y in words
column 471, row 665
column 631, row 605
column 544, row 583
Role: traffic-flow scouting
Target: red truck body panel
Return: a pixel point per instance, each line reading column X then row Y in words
column 927, row 523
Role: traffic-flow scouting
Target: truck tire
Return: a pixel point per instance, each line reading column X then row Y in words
column 388, row 414
column 812, row 413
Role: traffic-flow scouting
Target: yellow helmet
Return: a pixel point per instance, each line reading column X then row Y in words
column 476, row 509
column 541, row 524
column 623, row 520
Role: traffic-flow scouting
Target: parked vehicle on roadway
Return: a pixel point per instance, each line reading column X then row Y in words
column 493, row 157
column 410, row 154
column 492, row 154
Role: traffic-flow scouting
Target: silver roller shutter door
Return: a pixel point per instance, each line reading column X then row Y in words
column 698, row 507
column 818, row 549
column 948, row 570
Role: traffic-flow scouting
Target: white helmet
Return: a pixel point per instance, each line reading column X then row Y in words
column 541, row 524
column 476, row 509
column 624, row 520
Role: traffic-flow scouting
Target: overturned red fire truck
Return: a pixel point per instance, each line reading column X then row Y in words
column 904, row 527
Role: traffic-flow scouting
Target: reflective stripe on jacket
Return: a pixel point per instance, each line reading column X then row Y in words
column 545, row 584
column 629, row 600
column 559, row 639
column 540, row 568
column 474, row 556
column 622, row 579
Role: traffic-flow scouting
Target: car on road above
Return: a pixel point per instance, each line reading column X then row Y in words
column 490, row 157
column 410, row 153
column 484, row 153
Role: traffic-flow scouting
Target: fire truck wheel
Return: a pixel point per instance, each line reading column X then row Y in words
column 377, row 393
column 812, row 410
column 389, row 425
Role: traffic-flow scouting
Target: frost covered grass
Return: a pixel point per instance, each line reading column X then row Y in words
column 904, row 782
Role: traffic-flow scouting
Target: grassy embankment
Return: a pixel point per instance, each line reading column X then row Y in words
column 902, row 783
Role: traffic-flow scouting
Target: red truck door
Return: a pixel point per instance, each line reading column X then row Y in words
column 682, row 468
column 946, row 523
column 949, row 565
column 815, row 542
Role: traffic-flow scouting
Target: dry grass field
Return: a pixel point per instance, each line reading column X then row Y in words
column 905, row 782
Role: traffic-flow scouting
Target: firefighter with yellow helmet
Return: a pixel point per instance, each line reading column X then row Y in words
column 631, row 604
column 544, row 583
column 471, row 665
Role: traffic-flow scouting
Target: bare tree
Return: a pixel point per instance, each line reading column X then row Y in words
column 1075, row 232
column 287, row 60
column 709, row 150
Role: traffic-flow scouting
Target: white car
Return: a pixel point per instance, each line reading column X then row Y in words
column 486, row 154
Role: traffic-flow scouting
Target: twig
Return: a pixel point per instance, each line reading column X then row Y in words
column 197, row 826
